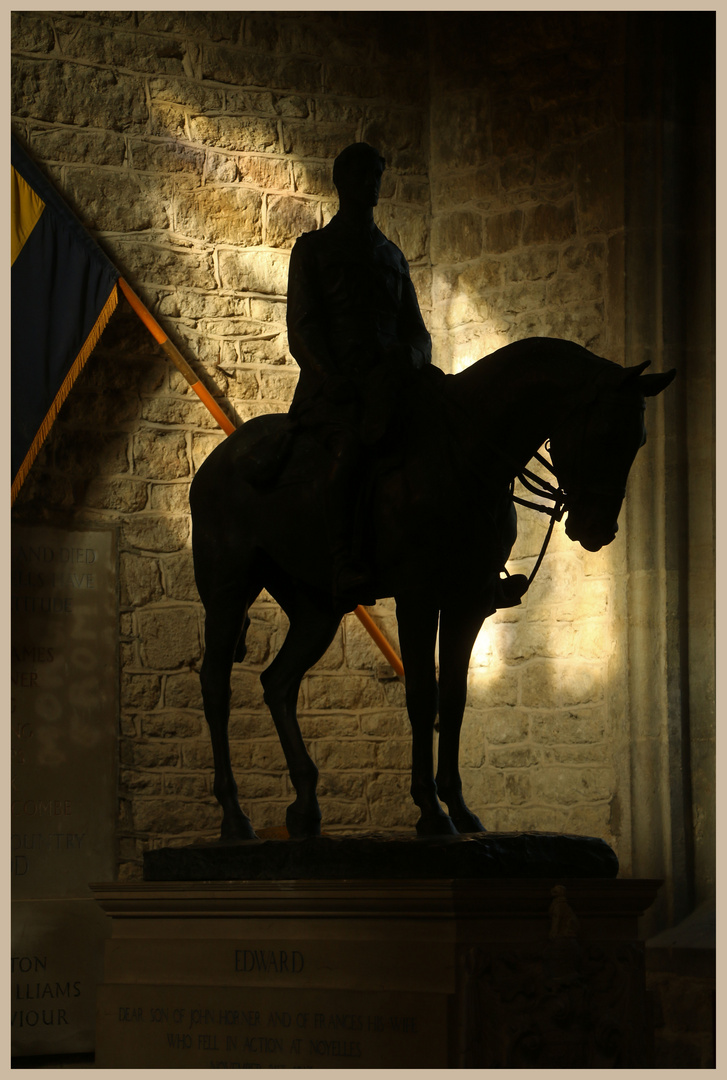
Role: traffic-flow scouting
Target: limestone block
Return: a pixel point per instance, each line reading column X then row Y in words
column 584, row 255
column 573, row 288
column 220, row 169
column 521, row 296
column 312, row 140
column 168, row 120
column 504, row 231
column 169, row 636
column 57, row 92
column 245, row 386
column 189, row 93
column 91, row 453
column 141, row 783
column 535, row 264
column 526, row 819
column 171, row 266
column 549, row 223
column 493, row 688
column 330, row 754
column 243, row 133
column 341, row 785
column 140, row 691
column 182, row 691
column 198, row 754
column 87, row 147
column 177, row 411
column 472, row 744
column 526, row 640
column 518, row 172
column 124, row 495
column 582, row 322
column 175, row 158
column 178, row 571
column 185, row 786
column 513, row 757
column 300, row 76
column 558, row 580
column 287, row 218
column 265, row 171
column 479, row 185
column 334, row 692
column 515, row 129
column 220, row 215
column 393, row 754
column 461, row 120
column 213, row 25
column 398, row 135
column 518, row 788
column 115, row 200
column 327, row 725
column 267, row 754
column 140, row 579
column 247, row 724
column 456, row 236
column 268, row 311
column 546, row 684
column 312, row 178
column 263, row 272
column 172, row 724
column 155, row 754
column 405, row 227
column 246, row 689
column 172, row 817
column 239, row 67
column 413, row 189
column 588, row 754
column 160, row 454
column 31, row 34
column 586, row 725
column 503, row 726
column 555, row 166
column 388, row 724
column 138, row 51
column 170, row 498
column 151, row 532
column 563, row 786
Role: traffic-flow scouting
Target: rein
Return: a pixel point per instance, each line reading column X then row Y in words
column 538, row 486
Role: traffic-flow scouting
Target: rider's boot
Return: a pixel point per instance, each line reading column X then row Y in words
column 510, row 590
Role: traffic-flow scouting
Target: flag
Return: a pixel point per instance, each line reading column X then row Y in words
column 63, row 292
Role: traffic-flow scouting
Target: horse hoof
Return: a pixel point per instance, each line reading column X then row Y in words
column 439, row 825
column 300, row 826
column 235, row 831
column 468, row 824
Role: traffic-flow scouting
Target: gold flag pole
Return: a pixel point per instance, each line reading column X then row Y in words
column 228, row 427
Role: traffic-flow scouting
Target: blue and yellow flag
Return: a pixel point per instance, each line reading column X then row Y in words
column 64, row 291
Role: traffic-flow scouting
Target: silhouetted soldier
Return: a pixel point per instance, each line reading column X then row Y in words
column 355, row 329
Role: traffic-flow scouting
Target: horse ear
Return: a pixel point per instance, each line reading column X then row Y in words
column 651, row 385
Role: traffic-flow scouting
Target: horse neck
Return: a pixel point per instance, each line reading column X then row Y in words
column 518, row 396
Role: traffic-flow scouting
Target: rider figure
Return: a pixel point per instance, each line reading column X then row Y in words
column 355, row 329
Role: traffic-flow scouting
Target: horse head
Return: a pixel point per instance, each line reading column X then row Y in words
column 593, row 450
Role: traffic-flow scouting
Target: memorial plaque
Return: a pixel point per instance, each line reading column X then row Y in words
column 64, row 689
column 206, row 1027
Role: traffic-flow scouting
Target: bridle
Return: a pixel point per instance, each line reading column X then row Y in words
column 544, row 490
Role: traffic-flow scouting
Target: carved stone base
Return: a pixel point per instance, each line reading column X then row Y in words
column 373, row 856
column 544, row 973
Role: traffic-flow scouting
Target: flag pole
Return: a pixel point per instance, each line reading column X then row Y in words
column 228, row 427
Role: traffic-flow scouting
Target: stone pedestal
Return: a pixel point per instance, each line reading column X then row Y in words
column 374, row 973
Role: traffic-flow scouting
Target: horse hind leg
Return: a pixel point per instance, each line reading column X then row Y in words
column 311, row 631
column 224, row 642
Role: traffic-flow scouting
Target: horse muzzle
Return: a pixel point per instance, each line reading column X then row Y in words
column 590, row 535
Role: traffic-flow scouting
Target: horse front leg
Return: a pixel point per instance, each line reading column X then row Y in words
column 223, row 622
column 417, row 639
column 458, row 632
column 311, row 631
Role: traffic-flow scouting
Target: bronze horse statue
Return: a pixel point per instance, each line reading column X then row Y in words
column 441, row 525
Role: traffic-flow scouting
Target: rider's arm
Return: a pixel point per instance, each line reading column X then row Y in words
column 305, row 318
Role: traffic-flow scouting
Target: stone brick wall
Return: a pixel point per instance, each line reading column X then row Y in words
column 196, row 147
column 527, row 239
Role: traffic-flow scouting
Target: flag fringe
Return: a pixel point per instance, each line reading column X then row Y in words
column 78, row 364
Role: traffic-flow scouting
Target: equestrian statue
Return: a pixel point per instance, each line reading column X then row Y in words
column 389, row 478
